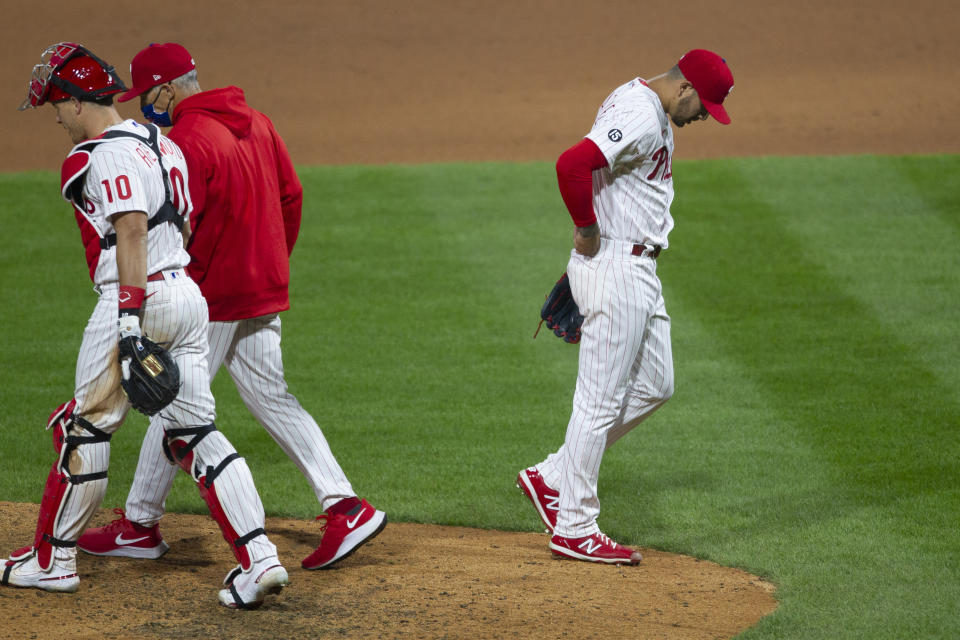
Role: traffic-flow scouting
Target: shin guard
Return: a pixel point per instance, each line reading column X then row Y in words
column 60, row 481
column 182, row 452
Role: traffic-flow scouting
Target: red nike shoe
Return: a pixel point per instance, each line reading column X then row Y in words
column 344, row 533
column 124, row 539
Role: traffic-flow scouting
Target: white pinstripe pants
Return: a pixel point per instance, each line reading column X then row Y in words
column 625, row 373
column 175, row 315
column 250, row 350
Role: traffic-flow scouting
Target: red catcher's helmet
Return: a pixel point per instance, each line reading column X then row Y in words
column 70, row 70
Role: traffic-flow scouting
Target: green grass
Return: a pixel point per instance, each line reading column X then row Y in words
column 813, row 438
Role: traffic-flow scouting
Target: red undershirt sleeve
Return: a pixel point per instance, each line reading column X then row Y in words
column 574, row 175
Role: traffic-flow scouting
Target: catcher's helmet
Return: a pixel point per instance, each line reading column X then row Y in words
column 70, row 70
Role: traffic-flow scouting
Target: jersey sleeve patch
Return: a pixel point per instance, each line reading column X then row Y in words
column 626, row 132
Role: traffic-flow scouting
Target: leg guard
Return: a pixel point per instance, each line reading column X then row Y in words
column 59, row 420
column 206, row 443
column 63, row 485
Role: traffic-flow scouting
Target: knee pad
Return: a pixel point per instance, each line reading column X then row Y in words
column 179, row 445
column 80, row 464
column 203, row 452
column 59, row 421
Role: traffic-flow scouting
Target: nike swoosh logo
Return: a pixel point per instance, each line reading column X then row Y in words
column 352, row 523
column 123, row 541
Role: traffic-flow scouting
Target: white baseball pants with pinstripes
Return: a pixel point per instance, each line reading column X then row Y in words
column 250, row 350
column 175, row 315
column 625, row 373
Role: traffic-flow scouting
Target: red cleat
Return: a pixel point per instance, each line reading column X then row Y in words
column 595, row 548
column 544, row 499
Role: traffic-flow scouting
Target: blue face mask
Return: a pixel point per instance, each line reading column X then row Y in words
column 161, row 118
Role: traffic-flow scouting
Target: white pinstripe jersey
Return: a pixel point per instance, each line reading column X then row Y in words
column 632, row 195
column 123, row 175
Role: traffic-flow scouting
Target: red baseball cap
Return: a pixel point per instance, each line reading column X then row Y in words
column 155, row 65
column 710, row 76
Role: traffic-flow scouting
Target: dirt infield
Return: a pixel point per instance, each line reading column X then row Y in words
column 413, row 581
column 437, row 81
column 373, row 81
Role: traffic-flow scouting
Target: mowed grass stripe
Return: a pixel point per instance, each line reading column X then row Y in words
column 845, row 383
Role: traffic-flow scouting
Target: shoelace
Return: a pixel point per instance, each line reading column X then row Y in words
column 116, row 524
column 326, row 520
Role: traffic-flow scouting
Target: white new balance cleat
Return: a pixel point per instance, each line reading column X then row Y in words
column 247, row 589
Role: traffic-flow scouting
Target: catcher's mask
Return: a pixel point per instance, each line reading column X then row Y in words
column 70, row 70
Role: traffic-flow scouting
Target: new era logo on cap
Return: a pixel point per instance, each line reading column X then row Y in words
column 156, row 76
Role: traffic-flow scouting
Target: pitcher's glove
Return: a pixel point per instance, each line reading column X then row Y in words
column 148, row 374
column 561, row 313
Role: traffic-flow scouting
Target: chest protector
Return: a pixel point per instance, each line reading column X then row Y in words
column 78, row 162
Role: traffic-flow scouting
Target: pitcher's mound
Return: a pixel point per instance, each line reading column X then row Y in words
column 415, row 581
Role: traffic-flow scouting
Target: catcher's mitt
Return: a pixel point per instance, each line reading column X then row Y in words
column 561, row 312
column 149, row 376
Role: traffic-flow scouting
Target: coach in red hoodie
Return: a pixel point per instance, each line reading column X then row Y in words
column 246, row 217
column 246, row 201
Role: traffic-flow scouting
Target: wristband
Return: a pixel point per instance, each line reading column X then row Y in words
column 129, row 300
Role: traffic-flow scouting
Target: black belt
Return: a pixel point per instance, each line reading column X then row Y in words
column 638, row 250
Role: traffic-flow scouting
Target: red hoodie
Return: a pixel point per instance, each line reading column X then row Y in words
column 246, row 204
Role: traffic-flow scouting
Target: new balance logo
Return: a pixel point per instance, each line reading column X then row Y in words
column 553, row 504
column 589, row 545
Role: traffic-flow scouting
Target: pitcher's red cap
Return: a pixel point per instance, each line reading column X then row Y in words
column 710, row 76
column 157, row 64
